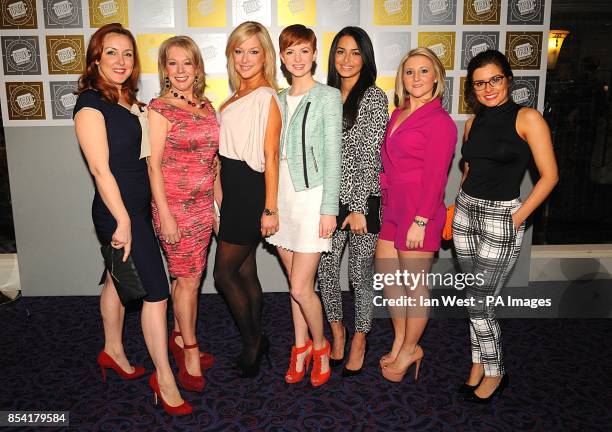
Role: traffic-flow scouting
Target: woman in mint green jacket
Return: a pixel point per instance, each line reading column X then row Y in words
column 308, row 195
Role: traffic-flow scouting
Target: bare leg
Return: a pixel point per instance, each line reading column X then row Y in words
column 309, row 310
column 113, row 314
column 300, row 327
column 339, row 340
column 387, row 261
column 417, row 317
column 155, row 332
column 476, row 374
column 185, row 311
column 488, row 385
column 357, row 352
column 177, row 328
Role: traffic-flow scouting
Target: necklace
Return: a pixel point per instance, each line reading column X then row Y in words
column 193, row 104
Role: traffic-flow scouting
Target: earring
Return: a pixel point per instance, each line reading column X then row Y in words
column 167, row 82
column 195, row 81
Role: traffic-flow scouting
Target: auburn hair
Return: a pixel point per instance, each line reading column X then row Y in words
column 91, row 78
column 296, row 34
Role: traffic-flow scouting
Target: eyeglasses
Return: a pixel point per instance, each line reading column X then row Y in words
column 493, row 82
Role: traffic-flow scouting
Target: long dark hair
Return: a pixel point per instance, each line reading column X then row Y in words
column 483, row 59
column 367, row 76
column 91, row 79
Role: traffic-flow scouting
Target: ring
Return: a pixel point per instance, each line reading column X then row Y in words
column 167, row 241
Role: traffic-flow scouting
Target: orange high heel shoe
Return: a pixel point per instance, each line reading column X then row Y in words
column 188, row 381
column 107, row 362
column 318, row 378
column 293, row 376
column 207, row 361
column 393, row 376
column 182, row 409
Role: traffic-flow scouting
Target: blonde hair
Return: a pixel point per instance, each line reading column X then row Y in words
column 401, row 94
column 193, row 52
column 239, row 35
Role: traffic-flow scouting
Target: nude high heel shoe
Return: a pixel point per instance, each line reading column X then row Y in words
column 397, row 376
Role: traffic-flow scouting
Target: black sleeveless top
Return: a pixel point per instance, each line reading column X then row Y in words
column 496, row 154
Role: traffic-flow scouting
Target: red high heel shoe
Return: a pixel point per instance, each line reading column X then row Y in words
column 318, row 378
column 188, row 381
column 182, row 409
column 107, row 362
column 293, row 376
column 207, row 361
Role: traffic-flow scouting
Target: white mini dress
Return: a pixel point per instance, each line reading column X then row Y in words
column 298, row 212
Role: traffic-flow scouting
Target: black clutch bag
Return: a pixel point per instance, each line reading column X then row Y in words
column 125, row 276
column 372, row 218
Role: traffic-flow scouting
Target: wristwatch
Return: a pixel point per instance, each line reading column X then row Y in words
column 269, row 212
column 420, row 222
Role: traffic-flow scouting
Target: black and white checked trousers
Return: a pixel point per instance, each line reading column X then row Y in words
column 486, row 243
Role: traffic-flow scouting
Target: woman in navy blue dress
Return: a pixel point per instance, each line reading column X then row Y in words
column 110, row 137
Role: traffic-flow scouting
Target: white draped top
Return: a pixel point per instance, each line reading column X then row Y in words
column 243, row 127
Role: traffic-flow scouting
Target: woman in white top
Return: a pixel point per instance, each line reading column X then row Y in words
column 308, row 195
column 248, row 147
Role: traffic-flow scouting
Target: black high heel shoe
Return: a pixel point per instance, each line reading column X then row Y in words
column 250, row 370
column 338, row 362
column 465, row 389
column 471, row 397
column 346, row 372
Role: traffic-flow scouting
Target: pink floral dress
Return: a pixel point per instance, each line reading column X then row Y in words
column 188, row 170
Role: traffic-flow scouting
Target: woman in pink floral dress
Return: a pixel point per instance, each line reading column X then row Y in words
column 184, row 137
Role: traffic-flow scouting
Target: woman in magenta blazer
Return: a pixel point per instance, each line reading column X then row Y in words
column 418, row 149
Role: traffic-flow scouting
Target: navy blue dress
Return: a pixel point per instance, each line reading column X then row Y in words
column 123, row 135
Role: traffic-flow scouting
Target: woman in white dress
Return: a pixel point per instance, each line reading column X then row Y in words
column 309, row 190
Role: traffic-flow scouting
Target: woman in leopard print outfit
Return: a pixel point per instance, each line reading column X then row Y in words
column 365, row 115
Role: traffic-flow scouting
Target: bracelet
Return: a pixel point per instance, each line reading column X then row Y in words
column 269, row 212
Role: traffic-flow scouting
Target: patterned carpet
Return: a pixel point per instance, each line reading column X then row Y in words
column 560, row 370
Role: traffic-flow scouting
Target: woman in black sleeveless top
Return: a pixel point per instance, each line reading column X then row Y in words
column 489, row 221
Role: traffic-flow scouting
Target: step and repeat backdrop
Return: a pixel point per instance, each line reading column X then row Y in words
column 43, row 42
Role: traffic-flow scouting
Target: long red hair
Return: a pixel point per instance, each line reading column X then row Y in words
column 91, row 78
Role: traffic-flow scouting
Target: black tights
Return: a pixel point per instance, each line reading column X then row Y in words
column 236, row 276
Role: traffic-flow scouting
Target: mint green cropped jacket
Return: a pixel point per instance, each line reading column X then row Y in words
column 313, row 137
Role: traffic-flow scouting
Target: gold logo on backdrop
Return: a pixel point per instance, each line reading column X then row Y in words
column 18, row 14
column 481, row 11
column 297, row 11
column 441, row 43
column 206, row 13
column 148, row 49
column 464, row 108
column 392, row 12
column 25, row 100
column 66, row 54
column 524, row 49
column 108, row 11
